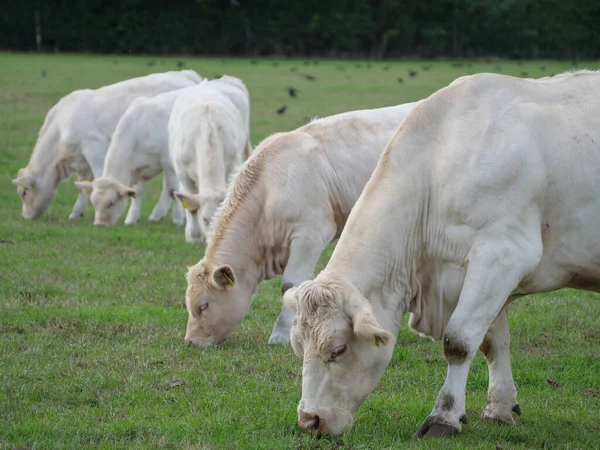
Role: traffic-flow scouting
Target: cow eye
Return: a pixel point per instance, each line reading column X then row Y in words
column 338, row 351
column 202, row 307
column 206, row 221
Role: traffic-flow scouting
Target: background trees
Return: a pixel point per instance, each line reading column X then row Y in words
column 339, row 28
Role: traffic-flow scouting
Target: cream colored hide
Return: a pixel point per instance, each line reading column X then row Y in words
column 489, row 191
column 76, row 135
column 139, row 151
column 207, row 140
column 287, row 203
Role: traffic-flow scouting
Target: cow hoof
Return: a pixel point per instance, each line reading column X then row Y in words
column 75, row 216
column 155, row 219
column 278, row 338
column 179, row 221
column 436, row 427
column 131, row 222
column 493, row 413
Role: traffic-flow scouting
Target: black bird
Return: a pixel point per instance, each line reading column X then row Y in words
column 292, row 69
column 412, row 73
column 426, row 67
column 275, row 64
column 358, row 66
column 217, row 76
column 306, row 63
column 309, row 77
column 281, row 110
column 254, row 62
column 400, row 80
column 524, row 74
column 151, row 63
column 180, row 63
column 292, row 91
column 43, row 74
column 386, row 67
column 543, row 68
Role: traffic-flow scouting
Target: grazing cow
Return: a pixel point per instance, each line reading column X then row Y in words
column 76, row 134
column 288, row 202
column 489, row 191
column 139, row 151
column 207, row 140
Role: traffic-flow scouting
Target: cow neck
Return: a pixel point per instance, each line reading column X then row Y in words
column 380, row 246
column 119, row 156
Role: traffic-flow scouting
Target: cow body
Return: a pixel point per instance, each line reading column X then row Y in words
column 488, row 191
column 76, row 135
column 139, row 151
column 287, row 203
column 207, row 140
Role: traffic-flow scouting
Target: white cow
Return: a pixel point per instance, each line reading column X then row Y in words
column 489, row 191
column 76, row 134
column 139, row 151
column 207, row 141
column 288, row 202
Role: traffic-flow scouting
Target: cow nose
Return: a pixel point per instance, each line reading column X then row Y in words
column 308, row 421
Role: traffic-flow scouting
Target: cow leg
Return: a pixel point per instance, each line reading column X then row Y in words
column 164, row 202
column 135, row 209
column 495, row 270
column 502, row 394
column 81, row 202
column 304, row 255
column 171, row 183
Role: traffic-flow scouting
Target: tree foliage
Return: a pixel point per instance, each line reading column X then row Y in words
column 364, row 28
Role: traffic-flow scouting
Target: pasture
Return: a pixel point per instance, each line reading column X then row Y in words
column 92, row 319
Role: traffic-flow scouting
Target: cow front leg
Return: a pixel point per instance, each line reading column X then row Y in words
column 304, row 255
column 164, row 202
column 502, row 394
column 135, row 209
column 495, row 270
column 81, row 202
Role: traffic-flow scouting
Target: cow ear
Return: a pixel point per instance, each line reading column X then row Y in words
column 188, row 201
column 25, row 181
column 223, row 276
column 366, row 327
column 85, row 186
column 290, row 299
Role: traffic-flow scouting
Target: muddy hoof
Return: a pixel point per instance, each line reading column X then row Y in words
column 435, row 427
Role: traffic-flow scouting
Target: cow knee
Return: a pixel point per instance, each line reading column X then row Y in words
column 456, row 349
column 285, row 287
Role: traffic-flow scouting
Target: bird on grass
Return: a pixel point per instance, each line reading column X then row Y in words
column 281, row 110
column 386, row 67
column 358, row 66
column 543, row 68
column 254, row 62
column 400, row 80
column 292, row 69
column 292, row 91
column 275, row 64
column 309, row 77
column 151, row 63
column 412, row 73
column 524, row 74
column 426, row 67
column 43, row 74
column 180, row 63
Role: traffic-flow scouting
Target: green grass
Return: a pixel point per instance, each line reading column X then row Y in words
column 92, row 319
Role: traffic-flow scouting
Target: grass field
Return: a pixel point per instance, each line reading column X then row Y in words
column 92, row 320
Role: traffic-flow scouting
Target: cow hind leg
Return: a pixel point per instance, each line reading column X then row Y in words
column 496, row 267
column 502, row 394
column 304, row 255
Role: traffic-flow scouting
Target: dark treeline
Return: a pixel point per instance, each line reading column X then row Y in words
column 337, row 28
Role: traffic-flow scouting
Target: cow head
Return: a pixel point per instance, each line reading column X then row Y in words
column 36, row 193
column 345, row 351
column 109, row 198
column 202, row 208
column 215, row 303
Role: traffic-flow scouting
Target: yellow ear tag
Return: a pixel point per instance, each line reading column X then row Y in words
column 86, row 181
column 25, row 184
column 186, row 205
column 377, row 341
column 229, row 280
